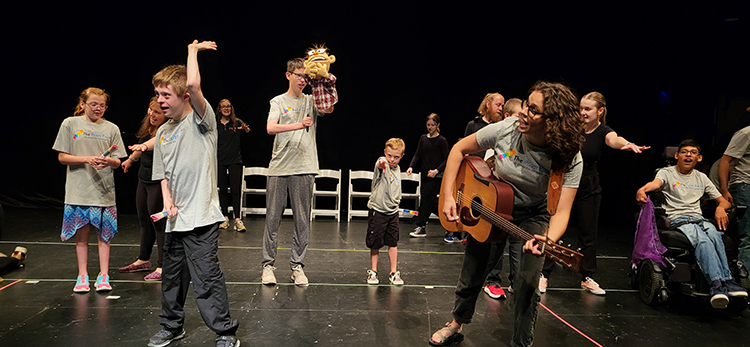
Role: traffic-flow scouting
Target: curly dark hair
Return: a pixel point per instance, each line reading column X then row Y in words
column 564, row 130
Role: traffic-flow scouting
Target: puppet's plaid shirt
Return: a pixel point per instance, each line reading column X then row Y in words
column 324, row 91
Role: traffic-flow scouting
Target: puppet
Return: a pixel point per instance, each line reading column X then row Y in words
column 322, row 82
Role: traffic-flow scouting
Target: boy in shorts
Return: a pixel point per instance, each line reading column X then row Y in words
column 382, row 220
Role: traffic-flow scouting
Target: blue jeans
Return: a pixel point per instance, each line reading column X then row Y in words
column 709, row 249
column 741, row 195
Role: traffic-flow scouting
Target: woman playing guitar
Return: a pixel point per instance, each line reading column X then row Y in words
column 549, row 130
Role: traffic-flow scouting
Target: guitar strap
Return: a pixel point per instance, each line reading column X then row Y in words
column 554, row 187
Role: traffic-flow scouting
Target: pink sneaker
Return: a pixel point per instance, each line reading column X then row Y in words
column 154, row 276
column 82, row 284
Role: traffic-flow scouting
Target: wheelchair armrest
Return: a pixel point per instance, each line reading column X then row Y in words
column 737, row 211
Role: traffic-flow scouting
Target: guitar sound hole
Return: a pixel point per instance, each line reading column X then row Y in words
column 476, row 205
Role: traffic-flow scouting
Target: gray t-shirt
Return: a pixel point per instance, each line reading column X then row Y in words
column 739, row 149
column 294, row 152
column 84, row 184
column 522, row 165
column 386, row 189
column 683, row 192
column 185, row 155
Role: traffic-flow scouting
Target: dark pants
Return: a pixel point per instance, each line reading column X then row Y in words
column 192, row 256
column 584, row 219
column 475, row 268
column 148, row 200
column 496, row 260
column 230, row 176
column 428, row 190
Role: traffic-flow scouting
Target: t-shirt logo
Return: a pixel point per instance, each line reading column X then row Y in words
column 675, row 184
column 506, row 154
column 168, row 139
column 392, row 178
column 77, row 134
column 288, row 109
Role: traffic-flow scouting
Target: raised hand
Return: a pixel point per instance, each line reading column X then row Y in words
column 202, row 46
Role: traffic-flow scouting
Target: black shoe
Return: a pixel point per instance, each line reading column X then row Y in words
column 734, row 289
column 165, row 337
column 419, row 231
column 227, row 341
column 719, row 298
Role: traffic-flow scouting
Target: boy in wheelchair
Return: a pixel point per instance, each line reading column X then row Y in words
column 683, row 188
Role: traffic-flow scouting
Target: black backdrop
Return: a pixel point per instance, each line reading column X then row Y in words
column 668, row 71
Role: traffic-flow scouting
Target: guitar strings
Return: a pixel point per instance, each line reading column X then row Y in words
column 491, row 216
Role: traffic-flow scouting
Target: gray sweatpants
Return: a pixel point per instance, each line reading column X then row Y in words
column 299, row 188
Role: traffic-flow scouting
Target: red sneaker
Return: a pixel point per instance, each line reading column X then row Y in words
column 495, row 291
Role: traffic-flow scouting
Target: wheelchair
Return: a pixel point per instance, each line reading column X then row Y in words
column 681, row 273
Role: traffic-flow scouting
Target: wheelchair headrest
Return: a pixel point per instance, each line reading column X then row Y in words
column 668, row 155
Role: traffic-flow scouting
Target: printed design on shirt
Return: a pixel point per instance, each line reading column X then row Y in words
column 688, row 186
column 530, row 165
column 289, row 109
column 166, row 140
column 506, row 154
column 392, row 178
column 81, row 133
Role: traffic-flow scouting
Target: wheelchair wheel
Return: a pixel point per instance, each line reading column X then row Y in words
column 650, row 283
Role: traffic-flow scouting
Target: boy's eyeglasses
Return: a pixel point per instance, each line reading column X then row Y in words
column 685, row 152
column 298, row 74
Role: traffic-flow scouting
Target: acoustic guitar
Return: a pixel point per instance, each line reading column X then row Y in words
column 484, row 205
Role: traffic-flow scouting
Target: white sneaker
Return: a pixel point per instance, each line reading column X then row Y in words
column 298, row 276
column 372, row 277
column 542, row 284
column 591, row 286
column 225, row 224
column 395, row 279
column 268, row 277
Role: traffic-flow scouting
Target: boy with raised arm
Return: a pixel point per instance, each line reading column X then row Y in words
column 683, row 188
column 185, row 162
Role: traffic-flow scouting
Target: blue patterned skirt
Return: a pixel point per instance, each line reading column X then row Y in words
column 104, row 219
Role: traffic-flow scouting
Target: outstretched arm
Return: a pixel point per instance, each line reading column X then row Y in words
column 640, row 195
column 619, row 142
column 194, row 75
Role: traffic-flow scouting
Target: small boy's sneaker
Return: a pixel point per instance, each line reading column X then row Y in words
column 452, row 239
column 542, row 284
column 495, row 291
column 227, row 341
column 268, row 277
column 20, row 254
column 82, row 284
column 419, row 232
column 239, row 226
column 298, row 276
column 224, row 224
column 165, row 337
column 591, row 286
column 734, row 289
column 719, row 298
column 102, row 283
column 372, row 277
column 395, row 279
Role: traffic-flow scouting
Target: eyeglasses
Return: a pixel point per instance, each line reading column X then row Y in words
column 298, row 74
column 94, row 105
column 686, row 152
column 532, row 113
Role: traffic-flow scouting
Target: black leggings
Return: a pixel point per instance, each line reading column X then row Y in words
column 148, row 200
column 429, row 190
column 230, row 176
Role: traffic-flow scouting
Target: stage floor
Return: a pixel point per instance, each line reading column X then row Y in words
column 338, row 308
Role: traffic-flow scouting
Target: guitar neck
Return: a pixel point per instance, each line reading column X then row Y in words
column 498, row 221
